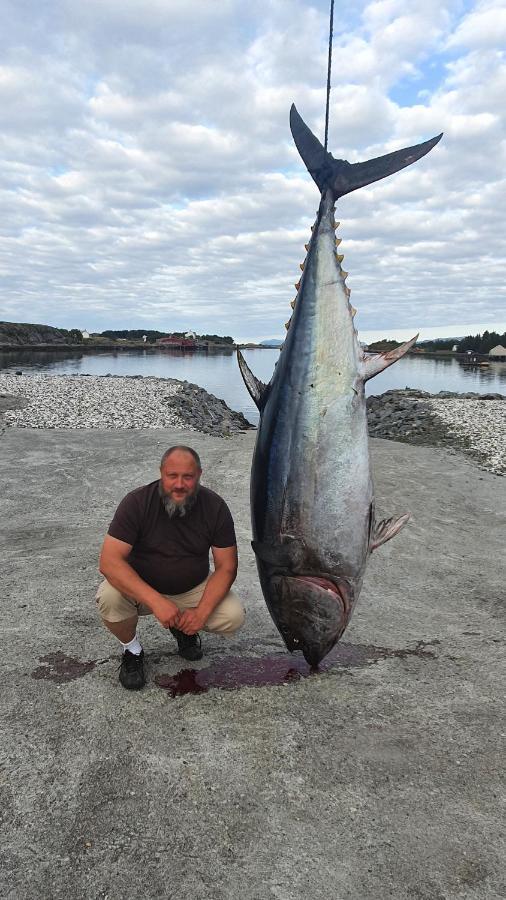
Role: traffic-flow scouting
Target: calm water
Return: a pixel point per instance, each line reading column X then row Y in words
column 219, row 374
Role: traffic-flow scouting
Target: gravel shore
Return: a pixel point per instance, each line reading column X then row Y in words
column 474, row 424
column 107, row 401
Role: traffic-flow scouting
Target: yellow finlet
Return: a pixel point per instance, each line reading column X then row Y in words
column 339, row 257
column 302, row 266
column 338, row 241
column 292, row 303
column 287, row 324
column 353, row 311
column 344, row 274
column 297, row 285
column 306, row 248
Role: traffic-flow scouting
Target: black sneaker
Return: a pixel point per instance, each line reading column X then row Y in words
column 189, row 645
column 131, row 671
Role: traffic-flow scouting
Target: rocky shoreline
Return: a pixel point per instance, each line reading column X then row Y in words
column 471, row 423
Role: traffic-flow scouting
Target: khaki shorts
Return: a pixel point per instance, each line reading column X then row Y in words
column 226, row 619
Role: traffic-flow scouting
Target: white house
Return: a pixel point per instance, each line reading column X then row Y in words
column 498, row 351
column 85, row 334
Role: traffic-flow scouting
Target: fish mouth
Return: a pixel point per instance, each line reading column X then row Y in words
column 310, row 611
column 341, row 590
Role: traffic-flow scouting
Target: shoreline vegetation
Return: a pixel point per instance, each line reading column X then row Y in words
column 15, row 336
column 469, row 423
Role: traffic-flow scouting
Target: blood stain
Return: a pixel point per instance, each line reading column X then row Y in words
column 236, row 672
column 60, row 668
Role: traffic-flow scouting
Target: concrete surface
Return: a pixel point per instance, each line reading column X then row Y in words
column 377, row 779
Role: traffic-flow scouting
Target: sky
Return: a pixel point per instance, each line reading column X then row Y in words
column 149, row 179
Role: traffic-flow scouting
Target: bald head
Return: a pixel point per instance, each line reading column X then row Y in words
column 183, row 449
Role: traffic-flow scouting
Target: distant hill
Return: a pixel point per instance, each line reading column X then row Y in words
column 271, row 343
column 447, row 340
column 21, row 334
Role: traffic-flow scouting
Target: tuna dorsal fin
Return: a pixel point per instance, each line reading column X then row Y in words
column 375, row 364
column 387, row 529
column 256, row 388
column 339, row 175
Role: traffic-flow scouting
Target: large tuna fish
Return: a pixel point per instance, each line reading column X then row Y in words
column 311, row 487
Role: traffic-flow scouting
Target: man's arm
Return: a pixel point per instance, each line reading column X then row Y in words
column 218, row 586
column 115, row 567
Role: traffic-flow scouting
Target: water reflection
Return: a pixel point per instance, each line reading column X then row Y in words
column 218, row 372
column 37, row 360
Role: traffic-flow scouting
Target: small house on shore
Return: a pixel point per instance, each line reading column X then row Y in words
column 188, row 342
column 498, row 352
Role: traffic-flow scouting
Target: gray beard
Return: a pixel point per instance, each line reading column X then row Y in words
column 178, row 510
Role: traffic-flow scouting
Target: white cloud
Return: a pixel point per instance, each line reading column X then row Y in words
column 149, row 177
column 483, row 28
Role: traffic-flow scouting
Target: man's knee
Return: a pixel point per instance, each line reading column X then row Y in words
column 113, row 606
column 236, row 616
column 228, row 617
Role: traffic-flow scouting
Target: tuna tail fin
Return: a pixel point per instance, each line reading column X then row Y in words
column 340, row 176
column 387, row 529
column 375, row 364
column 256, row 388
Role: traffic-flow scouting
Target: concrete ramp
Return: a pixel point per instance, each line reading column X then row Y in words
column 379, row 777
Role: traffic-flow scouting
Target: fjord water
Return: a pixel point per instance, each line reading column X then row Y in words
column 219, row 373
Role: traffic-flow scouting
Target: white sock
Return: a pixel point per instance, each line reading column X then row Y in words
column 134, row 646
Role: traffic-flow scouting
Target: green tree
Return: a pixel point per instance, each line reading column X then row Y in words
column 75, row 336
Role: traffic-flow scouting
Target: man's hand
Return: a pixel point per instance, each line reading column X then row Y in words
column 166, row 612
column 191, row 620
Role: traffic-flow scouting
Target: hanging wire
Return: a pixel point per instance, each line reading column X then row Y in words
column 331, row 32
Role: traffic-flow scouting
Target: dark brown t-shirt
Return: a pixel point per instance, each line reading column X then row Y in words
column 172, row 555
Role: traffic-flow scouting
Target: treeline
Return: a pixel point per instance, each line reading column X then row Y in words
column 216, row 338
column 137, row 334
column 480, row 343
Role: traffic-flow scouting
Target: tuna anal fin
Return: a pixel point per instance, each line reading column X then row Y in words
column 257, row 388
column 375, row 364
column 387, row 529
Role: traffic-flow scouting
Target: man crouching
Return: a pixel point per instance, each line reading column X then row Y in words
column 155, row 559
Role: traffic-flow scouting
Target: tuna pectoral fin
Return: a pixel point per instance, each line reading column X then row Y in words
column 387, row 529
column 375, row 364
column 257, row 388
column 341, row 176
